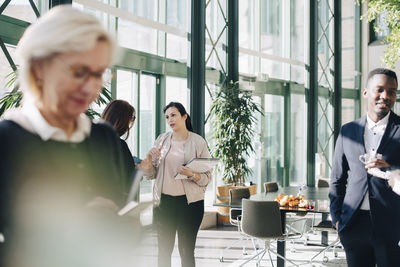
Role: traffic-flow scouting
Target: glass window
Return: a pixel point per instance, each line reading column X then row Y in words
column 273, row 68
column 21, row 9
column 255, row 161
column 177, row 48
column 135, row 36
column 127, row 89
column 143, row 8
column 107, row 20
column 272, row 139
column 216, row 31
column 298, row 140
column 147, row 126
column 271, row 33
column 297, row 40
column 177, row 91
column 246, row 24
column 177, row 14
column 348, row 45
column 5, row 68
column 325, row 138
column 146, row 114
column 297, row 29
column 348, row 110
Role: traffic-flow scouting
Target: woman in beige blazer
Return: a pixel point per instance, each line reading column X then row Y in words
column 179, row 203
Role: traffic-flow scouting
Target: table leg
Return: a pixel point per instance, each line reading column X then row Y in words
column 324, row 234
column 282, row 244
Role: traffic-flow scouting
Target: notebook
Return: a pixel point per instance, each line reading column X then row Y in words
column 199, row 165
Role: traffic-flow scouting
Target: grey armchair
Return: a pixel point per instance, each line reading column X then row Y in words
column 271, row 187
column 262, row 220
column 235, row 216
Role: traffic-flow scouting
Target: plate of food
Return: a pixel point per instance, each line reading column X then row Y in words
column 293, row 201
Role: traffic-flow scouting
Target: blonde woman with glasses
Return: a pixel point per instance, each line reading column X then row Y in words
column 61, row 174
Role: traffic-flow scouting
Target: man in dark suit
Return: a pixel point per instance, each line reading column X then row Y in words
column 364, row 208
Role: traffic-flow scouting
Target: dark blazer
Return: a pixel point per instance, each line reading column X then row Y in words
column 350, row 180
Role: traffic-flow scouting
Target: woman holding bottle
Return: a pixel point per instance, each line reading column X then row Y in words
column 179, row 203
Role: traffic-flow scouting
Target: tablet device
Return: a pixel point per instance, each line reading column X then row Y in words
column 199, row 165
column 131, row 202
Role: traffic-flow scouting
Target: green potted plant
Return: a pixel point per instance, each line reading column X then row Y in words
column 233, row 116
column 13, row 97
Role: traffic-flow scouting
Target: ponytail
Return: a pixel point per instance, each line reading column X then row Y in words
column 188, row 123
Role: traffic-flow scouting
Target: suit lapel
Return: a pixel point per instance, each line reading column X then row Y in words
column 391, row 129
column 360, row 135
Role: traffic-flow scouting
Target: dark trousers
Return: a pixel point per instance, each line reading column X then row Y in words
column 363, row 248
column 175, row 215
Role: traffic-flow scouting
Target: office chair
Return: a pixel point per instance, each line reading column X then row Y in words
column 271, row 187
column 262, row 220
column 235, row 216
column 323, row 182
column 325, row 225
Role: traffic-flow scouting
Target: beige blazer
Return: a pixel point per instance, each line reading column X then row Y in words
column 194, row 147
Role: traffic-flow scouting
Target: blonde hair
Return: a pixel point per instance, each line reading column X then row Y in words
column 62, row 29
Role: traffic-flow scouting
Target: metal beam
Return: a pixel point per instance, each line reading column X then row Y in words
column 11, row 29
column 7, row 55
column 233, row 41
column 312, row 95
column 4, row 5
column 35, row 9
column 337, row 114
column 197, row 66
column 53, row 3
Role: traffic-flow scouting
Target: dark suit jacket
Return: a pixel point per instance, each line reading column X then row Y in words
column 350, row 180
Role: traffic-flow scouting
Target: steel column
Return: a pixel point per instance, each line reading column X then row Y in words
column 233, row 40
column 196, row 70
column 337, row 115
column 312, row 94
column 287, row 132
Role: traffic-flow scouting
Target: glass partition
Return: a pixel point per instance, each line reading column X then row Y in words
column 272, row 139
column 298, row 140
column 127, row 89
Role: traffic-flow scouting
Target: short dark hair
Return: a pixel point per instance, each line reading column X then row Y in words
column 182, row 111
column 119, row 113
column 383, row 71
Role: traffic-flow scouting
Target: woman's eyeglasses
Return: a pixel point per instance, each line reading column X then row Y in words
column 81, row 73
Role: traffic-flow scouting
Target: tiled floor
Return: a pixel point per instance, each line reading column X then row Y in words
column 210, row 243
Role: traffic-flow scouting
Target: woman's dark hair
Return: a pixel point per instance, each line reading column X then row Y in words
column 120, row 115
column 182, row 111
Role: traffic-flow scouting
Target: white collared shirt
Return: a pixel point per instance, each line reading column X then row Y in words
column 30, row 118
column 373, row 134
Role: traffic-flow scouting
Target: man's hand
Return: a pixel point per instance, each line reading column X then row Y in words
column 377, row 163
column 337, row 225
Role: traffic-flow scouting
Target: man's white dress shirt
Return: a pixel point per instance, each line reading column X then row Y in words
column 373, row 134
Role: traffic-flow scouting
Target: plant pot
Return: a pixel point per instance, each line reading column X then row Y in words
column 223, row 196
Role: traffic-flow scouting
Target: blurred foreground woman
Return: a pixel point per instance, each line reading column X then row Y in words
column 60, row 174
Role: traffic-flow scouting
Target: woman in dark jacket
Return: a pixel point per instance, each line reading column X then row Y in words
column 121, row 115
column 61, row 175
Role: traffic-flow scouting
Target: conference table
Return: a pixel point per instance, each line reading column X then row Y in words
column 319, row 195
